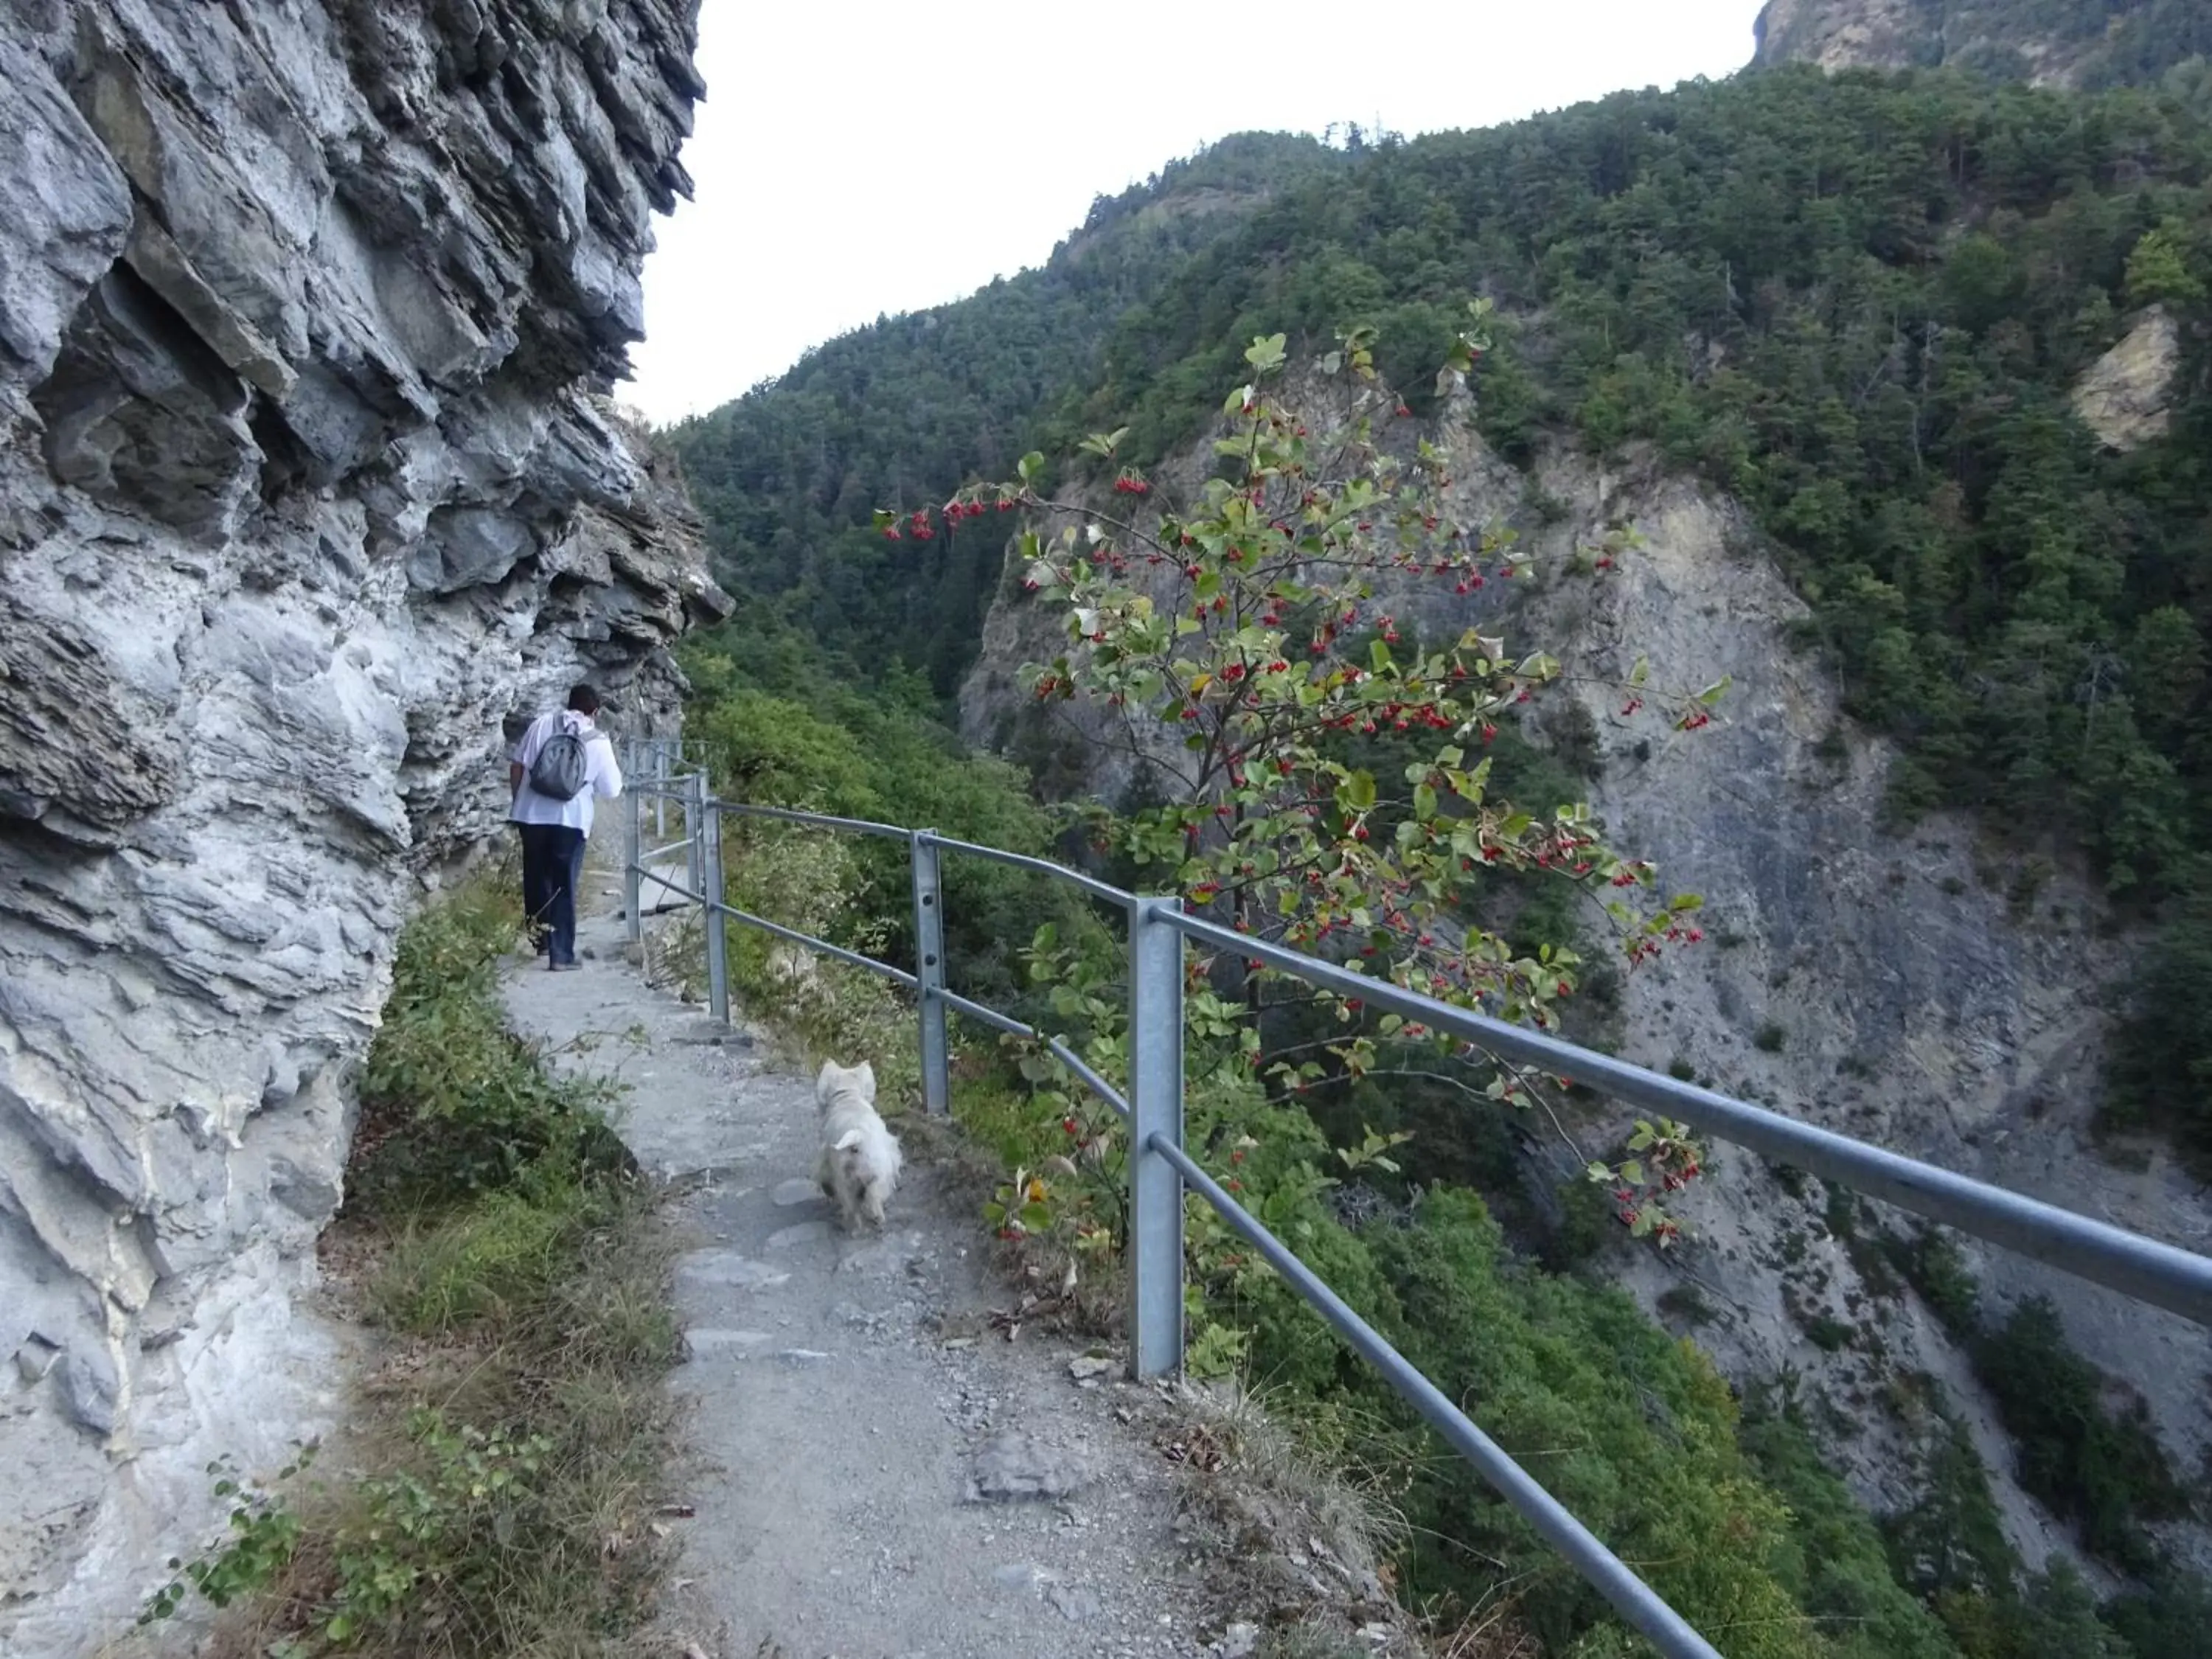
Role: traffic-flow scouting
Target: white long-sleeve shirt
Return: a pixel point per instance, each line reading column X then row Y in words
column 603, row 778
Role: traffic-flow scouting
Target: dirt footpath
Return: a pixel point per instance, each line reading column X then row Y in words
column 880, row 1475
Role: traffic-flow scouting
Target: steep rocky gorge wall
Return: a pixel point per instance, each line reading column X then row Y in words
column 309, row 487
column 1889, row 986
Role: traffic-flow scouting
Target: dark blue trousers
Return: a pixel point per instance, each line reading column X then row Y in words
column 552, row 868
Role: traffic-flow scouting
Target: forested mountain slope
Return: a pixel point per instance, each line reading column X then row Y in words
column 1860, row 303
column 903, row 411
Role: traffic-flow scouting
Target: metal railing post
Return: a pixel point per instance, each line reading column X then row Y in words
column 929, row 972
column 659, row 783
column 633, row 865
column 694, row 844
column 718, row 962
column 1156, row 1320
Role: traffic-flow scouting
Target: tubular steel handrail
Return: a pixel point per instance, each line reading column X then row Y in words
column 1090, row 885
column 1161, row 1170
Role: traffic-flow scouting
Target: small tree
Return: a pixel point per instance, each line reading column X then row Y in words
column 1236, row 648
column 2157, row 269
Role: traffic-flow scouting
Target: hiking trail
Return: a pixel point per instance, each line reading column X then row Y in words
column 877, row 1473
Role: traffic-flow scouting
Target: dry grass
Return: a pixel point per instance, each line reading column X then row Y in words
column 548, row 1338
column 1273, row 1492
column 496, row 1488
column 1491, row 1632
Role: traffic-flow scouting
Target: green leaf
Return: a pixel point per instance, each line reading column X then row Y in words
column 1641, row 672
column 1632, row 1173
column 1268, row 352
column 1719, row 688
column 1029, row 466
column 1597, row 1171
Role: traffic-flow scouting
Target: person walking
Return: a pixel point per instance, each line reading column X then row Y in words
column 562, row 762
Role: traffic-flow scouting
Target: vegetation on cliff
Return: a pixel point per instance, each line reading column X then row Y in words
column 1731, row 1515
column 1858, row 303
column 1756, row 1537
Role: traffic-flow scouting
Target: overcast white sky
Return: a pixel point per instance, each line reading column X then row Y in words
column 859, row 159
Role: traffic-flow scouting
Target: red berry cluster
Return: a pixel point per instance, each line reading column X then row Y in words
column 920, row 527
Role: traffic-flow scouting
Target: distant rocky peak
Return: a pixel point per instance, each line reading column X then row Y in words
column 2063, row 43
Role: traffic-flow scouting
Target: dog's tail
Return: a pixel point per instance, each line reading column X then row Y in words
column 851, row 1154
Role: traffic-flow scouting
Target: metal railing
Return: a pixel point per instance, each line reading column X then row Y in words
column 1162, row 1171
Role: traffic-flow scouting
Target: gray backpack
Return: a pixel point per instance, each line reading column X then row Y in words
column 560, row 770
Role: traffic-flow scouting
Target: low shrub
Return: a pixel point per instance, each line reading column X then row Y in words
column 504, row 1469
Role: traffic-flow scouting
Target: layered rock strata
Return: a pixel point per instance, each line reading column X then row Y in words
column 309, row 487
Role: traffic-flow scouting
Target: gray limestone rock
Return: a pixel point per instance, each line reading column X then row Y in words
column 309, row 493
column 1012, row 1466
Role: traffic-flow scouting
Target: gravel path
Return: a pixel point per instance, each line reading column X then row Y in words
column 880, row 1475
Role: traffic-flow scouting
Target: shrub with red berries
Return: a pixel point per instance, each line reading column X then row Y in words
column 1236, row 642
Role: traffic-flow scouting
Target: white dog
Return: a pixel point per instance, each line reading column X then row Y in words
column 860, row 1165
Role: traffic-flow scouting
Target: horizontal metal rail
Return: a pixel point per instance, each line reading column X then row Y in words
column 984, row 1016
column 884, row 969
column 1633, row 1599
column 1059, row 1051
column 1090, row 885
column 811, row 820
column 675, row 887
column 2160, row 1275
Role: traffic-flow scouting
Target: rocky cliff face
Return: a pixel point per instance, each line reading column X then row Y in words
column 2122, row 42
column 2126, row 397
column 308, row 487
column 1915, row 989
